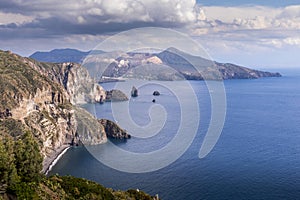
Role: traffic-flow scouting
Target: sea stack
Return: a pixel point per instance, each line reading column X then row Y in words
column 156, row 93
column 134, row 92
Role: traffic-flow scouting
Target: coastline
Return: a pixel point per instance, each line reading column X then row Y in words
column 50, row 161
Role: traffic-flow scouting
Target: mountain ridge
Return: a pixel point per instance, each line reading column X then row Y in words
column 186, row 66
column 62, row 55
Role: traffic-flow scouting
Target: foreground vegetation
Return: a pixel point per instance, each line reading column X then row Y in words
column 21, row 138
column 20, row 177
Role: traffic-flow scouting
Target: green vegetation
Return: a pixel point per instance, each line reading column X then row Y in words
column 18, row 80
column 20, row 160
column 20, row 142
column 20, row 177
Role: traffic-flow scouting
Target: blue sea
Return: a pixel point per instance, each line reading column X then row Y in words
column 257, row 155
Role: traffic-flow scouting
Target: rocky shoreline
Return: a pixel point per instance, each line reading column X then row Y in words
column 112, row 130
column 50, row 161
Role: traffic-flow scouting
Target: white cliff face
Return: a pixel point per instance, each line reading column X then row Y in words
column 50, row 117
column 74, row 78
column 40, row 96
column 78, row 83
column 50, row 113
column 154, row 60
column 98, row 94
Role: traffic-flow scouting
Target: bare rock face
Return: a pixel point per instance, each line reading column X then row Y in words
column 89, row 130
column 156, row 93
column 77, row 81
column 40, row 96
column 116, row 95
column 73, row 77
column 49, row 118
column 113, row 130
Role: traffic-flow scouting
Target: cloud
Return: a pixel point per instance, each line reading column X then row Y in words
column 27, row 26
column 10, row 18
column 254, row 17
column 55, row 18
column 265, row 26
column 94, row 16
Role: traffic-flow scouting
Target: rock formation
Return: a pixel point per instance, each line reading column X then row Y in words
column 156, row 93
column 89, row 131
column 37, row 122
column 116, row 95
column 74, row 78
column 113, row 130
column 134, row 92
column 40, row 96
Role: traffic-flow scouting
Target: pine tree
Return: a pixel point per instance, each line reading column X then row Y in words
column 28, row 158
column 8, row 172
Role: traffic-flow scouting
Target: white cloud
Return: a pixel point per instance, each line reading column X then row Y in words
column 279, row 43
column 254, row 17
column 176, row 11
column 9, row 18
column 229, row 14
column 83, row 23
column 266, row 26
column 290, row 12
column 292, row 41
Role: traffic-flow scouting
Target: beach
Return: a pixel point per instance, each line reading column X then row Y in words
column 50, row 161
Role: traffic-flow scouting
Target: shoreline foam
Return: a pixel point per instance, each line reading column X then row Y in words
column 51, row 161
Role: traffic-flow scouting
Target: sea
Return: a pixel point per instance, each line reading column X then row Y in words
column 255, row 156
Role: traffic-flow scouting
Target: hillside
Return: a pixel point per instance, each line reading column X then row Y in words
column 198, row 68
column 61, row 55
column 170, row 64
column 39, row 117
column 33, row 94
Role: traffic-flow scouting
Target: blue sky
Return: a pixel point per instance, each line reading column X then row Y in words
column 256, row 34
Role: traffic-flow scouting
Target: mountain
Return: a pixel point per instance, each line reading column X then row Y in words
column 39, row 118
column 170, row 64
column 198, row 68
column 62, row 55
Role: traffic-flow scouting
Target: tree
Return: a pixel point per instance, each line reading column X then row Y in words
column 8, row 172
column 28, row 158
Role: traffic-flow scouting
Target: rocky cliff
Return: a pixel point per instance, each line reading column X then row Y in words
column 73, row 77
column 42, row 97
column 116, row 95
column 37, row 120
column 113, row 130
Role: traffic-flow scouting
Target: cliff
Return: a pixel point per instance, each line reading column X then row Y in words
column 73, row 77
column 37, row 120
column 113, row 130
column 116, row 95
column 42, row 97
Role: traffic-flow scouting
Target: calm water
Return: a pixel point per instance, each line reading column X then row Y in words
column 256, row 157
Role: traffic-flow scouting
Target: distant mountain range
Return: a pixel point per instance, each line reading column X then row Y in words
column 170, row 64
column 62, row 55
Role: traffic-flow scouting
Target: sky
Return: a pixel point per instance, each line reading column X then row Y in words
column 257, row 34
